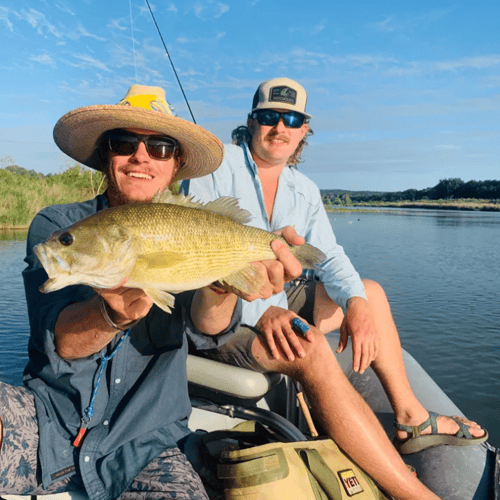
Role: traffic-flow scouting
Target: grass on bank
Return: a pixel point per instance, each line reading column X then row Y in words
column 471, row 204
column 24, row 193
column 23, row 196
column 453, row 204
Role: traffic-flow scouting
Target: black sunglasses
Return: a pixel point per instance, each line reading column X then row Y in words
column 270, row 117
column 124, row 143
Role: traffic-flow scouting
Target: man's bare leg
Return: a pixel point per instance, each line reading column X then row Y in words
column 389, row 364
column 345, row 416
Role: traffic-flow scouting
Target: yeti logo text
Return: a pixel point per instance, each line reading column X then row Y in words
column 350, row 482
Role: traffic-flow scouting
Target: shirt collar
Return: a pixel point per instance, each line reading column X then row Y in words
column 249, row 159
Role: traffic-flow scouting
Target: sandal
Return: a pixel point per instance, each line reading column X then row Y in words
column 418, row 442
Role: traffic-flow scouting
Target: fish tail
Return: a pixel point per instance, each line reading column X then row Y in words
column 308, row 255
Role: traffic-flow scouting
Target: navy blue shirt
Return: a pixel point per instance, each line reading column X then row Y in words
column 142, row 405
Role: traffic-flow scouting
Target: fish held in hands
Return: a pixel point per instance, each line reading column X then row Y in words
column 168, row 246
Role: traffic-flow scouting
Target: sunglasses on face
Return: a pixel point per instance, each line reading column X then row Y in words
column 125, row 143
column 269, row 117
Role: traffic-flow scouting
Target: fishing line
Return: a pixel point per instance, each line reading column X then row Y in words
column 133, row 38
column 171, row 62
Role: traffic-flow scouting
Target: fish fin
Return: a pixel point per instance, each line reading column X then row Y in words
column 164, row 300
column 308, row 255
column 226, row 205
column 247, row 280
column 158, row 260
column 53, row 284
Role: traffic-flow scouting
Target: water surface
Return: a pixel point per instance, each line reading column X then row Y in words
column 441, row 274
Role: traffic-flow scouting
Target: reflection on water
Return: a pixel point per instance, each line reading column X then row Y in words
column 441, row 274
column 14, row 328
column 13, row 235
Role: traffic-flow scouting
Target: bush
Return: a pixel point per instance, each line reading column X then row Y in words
column 23, row 194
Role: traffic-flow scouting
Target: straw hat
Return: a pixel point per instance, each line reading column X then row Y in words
column 77, row 133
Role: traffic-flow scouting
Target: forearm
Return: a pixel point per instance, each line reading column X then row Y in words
column 81, row 330
column 211, row 312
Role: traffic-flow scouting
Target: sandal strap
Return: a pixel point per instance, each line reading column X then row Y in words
column 463, row 432
column 416, row 430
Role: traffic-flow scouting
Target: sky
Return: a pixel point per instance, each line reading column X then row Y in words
column 402, row 94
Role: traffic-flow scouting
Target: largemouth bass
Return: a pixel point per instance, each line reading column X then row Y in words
column 170, row 245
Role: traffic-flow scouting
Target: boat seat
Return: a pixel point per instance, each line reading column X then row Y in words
column 233, row 381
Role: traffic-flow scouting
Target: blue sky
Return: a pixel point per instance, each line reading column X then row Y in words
column 402, row 94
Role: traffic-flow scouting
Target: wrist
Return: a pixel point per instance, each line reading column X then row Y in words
column 107, row 316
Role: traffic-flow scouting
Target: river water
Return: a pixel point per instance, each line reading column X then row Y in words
column 441, row 274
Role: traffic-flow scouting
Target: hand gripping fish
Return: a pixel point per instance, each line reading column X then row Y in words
column 168, row 246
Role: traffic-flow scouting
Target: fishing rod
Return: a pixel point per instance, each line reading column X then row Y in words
column 170, row 59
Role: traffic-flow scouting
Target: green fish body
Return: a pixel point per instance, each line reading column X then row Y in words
column 164, row 247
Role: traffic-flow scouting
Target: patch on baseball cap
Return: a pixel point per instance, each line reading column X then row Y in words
column 283, row 94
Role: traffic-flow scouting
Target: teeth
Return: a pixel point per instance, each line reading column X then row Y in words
column 139, row 175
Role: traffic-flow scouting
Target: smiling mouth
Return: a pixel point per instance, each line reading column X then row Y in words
column 139, row 175
column 278, row 139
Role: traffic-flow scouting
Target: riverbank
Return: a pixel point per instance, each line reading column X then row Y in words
column 459, row 204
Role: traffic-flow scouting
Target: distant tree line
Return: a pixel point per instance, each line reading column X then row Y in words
column 446, row 189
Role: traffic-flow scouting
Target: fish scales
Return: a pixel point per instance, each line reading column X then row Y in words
column 213, row 245
column 170, row 245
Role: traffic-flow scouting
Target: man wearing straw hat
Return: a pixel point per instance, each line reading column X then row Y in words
column 105, row 405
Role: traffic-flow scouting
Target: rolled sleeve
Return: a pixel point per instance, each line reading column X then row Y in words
column 337, row 273
column 200, row 341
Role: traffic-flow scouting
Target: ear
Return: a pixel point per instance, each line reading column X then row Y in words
column 304, row 129
column 178, row 165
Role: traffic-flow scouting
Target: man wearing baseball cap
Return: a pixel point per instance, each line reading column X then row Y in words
column 260, row 170
column 105, row 405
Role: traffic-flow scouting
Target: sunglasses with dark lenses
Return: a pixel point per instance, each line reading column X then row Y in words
column 270, row 117
column 125, row 143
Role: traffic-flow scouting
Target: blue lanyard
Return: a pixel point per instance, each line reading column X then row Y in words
column 89, row 411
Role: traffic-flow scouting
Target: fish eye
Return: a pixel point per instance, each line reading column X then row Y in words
column 66, row 239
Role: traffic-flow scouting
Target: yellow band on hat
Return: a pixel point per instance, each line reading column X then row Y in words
column 146, row 101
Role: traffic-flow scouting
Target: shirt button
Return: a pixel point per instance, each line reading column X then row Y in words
column 87, row 458
column 117, row 381
column 106, row 422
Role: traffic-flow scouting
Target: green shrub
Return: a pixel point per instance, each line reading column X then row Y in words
column 23, row 194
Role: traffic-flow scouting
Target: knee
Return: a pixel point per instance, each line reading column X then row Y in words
column 373, row 290
column 318, row 354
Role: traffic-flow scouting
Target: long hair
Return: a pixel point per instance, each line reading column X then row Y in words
column 242, row 134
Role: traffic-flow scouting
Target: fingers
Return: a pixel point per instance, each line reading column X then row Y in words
column 342, row 340
column 363, row 353
column 291, row 236
column 281, row 337
column 128, row 304
column 291, row 266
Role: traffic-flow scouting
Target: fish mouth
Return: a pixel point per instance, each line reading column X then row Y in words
column 50, row 261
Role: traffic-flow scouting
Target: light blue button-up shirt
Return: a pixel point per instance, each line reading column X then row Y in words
column 298, row 203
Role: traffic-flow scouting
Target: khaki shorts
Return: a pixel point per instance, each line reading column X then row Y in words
column 238, row 350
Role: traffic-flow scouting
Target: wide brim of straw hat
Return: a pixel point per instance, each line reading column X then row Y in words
column 77, row 134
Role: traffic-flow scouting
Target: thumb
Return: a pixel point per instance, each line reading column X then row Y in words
column 342, row 340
